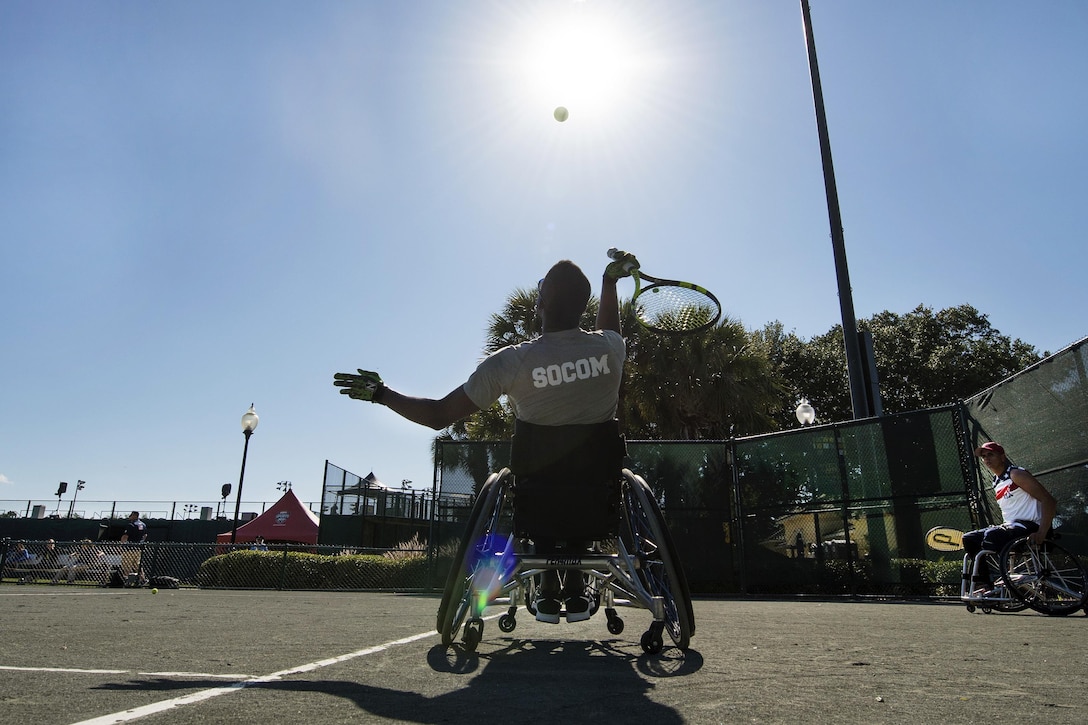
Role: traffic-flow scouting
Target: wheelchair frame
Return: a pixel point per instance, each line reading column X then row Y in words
column 638, row 568
column 1046, row 577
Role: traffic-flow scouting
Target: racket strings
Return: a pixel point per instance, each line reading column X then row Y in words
column 672, row 308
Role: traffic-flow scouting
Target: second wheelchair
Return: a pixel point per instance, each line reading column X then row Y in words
column 1046, row 577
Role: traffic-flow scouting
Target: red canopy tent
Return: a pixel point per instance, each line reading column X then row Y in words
column 287, row 521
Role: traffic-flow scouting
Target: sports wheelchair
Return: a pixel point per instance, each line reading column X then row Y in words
column 1046, row 577
column 566, row 503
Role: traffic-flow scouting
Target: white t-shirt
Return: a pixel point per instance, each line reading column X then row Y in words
column 1016, row 504
column 559, row 378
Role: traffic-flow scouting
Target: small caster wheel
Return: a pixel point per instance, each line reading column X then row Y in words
column 507, row 623
column 474, row 632
column 615, row 624
column 651, row 642
column 970, row 608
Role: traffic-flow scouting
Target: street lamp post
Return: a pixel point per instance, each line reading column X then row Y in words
column 249, row 424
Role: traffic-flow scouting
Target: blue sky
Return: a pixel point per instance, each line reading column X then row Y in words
column 205, row 205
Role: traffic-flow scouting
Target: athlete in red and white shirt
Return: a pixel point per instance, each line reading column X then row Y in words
column 1026, row 506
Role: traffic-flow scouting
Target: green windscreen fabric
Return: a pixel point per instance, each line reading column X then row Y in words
column 1040, row 416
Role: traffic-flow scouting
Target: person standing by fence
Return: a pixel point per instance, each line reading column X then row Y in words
column 135, row 533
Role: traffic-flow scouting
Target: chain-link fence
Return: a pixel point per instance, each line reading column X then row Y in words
column 175, row 565
column 834, row 509
column 845, row 508
column 838, row 509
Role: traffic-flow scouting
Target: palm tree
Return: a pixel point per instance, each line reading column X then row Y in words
column 516, row 323
column 708, row 385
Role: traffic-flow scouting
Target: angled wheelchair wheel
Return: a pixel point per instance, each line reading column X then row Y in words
column 647, row 538
column 1048, row 578
column 480, row 547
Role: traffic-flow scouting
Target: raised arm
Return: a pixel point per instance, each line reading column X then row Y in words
column 608, row 313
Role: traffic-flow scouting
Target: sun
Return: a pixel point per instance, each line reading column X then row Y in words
column 589, row 62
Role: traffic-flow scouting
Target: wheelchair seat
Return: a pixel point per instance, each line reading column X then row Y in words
column 566, row 482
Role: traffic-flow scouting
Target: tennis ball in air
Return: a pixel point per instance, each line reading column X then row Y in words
column 561, row 114
column 154, row 591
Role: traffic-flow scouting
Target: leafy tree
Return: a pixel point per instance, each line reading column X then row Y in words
column 923, row 360
column 708, row 386
column 728, row 382
column 926, row 359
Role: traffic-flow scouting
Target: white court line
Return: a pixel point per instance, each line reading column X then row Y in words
column 157, row 707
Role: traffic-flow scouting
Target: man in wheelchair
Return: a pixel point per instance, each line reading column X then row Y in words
column 1027, row 508
column 567, row 379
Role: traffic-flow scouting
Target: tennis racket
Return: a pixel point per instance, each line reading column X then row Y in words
column 671, row 306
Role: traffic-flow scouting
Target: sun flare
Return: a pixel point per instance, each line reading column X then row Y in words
column 587, row 63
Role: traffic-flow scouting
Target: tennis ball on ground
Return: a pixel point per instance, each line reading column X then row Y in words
column 154, row 591
column 561, row 114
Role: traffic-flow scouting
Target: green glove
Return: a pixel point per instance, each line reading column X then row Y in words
column 623, row 264
column 364, row 386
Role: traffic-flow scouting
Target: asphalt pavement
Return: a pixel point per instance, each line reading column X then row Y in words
column 195, row 656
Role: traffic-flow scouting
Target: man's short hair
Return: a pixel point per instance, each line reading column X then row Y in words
column 570, row 290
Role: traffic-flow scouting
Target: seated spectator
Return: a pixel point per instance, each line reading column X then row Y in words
column 259, row 545
column 47, row 559
column 17, row 559
column 86, row 560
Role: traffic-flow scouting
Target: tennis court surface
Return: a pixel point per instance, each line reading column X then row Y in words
column 197, row 656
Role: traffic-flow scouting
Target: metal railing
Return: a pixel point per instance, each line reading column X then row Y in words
column 166, row 510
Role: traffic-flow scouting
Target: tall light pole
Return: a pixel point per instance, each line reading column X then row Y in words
column 72, row 503
column 249, row 424
column 860, row 399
